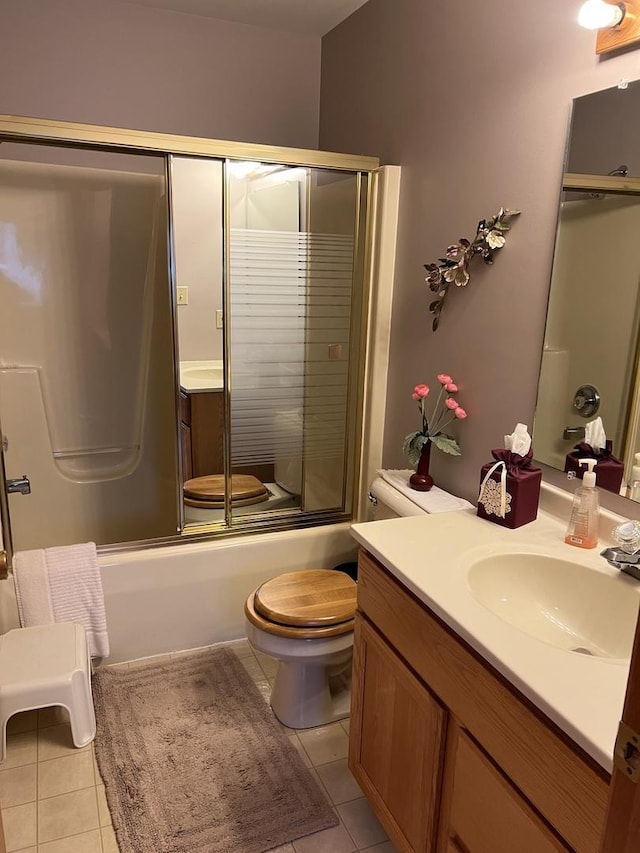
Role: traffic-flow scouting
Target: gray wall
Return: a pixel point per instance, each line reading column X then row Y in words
column 131, row 66
column 473, row 101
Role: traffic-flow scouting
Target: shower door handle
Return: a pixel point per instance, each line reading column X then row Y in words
column 20, row 486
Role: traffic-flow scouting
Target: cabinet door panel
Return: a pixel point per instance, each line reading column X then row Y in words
column 185, row 450
column 396, row 744
column 487, row 813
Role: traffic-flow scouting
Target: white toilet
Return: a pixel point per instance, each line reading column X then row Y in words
column 305, row 621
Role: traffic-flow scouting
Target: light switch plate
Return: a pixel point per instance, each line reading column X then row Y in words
column 182, row 295
column 218, row 318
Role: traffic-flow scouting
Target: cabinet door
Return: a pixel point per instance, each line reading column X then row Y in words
column 482, row 811
column 396, row 742
column 185, row 450
column 207, row 430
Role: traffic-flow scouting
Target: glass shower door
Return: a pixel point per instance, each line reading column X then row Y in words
column 87, row 402
column 294, row 295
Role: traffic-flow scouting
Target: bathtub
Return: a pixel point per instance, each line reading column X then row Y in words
column 179, row 597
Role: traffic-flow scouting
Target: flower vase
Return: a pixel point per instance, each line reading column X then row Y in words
column 422, row 481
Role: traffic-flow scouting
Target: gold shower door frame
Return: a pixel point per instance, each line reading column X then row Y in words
column 71, row 134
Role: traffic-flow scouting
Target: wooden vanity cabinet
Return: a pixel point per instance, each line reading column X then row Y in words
column 452, row 758
column 201, row 433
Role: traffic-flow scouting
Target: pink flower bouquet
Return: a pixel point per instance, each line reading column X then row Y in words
column 446, row 410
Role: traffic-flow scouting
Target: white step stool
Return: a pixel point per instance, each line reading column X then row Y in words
column 43, row 666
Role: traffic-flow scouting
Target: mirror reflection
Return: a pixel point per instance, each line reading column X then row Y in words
column 589, row 363
column 290, row 250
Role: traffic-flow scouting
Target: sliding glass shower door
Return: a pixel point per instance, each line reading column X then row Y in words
column 294, row 293
column 171, row 319
column 87, row 400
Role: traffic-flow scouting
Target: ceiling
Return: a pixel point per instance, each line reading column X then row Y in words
column 312, row 17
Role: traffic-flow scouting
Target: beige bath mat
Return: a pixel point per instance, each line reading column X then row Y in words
column 193, row 760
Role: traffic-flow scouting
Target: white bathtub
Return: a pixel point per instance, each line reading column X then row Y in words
column 186, row 596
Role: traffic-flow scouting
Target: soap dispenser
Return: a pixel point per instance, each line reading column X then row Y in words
column 583, row 523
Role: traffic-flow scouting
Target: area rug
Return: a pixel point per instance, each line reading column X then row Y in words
column 194, row 761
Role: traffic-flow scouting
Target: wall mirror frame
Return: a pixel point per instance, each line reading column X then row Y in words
column 590, row 364
column 323, row 234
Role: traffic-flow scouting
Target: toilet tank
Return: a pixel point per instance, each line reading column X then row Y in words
column 387, row 502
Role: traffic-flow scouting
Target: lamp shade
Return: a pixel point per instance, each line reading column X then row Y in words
column 596, row 14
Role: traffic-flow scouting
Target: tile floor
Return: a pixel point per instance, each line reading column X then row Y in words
column 53, row 799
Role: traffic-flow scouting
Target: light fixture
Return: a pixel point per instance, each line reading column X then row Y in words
column 596, row 14
column 618, row 24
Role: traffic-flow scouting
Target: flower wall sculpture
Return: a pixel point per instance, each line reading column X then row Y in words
column 490, row 236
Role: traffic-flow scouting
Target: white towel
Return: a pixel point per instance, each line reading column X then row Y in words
column 435, row 500
column 76, row 592
column 68, row 578
column 32, row 588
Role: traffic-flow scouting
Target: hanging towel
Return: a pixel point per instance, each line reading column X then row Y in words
column 32, row 588
column 69, row 579
column 76, row 592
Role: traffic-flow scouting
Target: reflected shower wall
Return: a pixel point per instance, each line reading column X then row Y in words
column 86, row 365
column 595, row 347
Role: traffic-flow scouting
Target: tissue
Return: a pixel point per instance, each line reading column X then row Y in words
column 594, row 435
column 510, row 486
column 609, row 470
column 519, row 441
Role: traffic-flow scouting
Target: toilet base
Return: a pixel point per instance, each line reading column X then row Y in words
column 303, row 697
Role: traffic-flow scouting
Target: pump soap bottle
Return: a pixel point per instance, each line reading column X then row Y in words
column 583, row 523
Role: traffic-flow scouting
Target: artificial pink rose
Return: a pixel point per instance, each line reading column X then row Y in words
column 460, row 413
column 443, row 379
column 450, row 403
column 451, row 387
column 420, row 391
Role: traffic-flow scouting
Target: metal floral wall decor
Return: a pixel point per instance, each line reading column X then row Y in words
column 454, row 269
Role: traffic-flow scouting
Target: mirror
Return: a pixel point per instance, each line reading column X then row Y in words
column 590, row 357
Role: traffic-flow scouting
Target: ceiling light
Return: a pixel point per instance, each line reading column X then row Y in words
column 597, row 14
column 618, row 24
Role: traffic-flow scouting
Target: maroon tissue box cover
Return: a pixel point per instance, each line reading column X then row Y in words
column 523, row 485
column 609, row 471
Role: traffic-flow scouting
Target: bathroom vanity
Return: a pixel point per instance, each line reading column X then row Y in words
column 467, row 733
column 201, row 431
column 201, row 418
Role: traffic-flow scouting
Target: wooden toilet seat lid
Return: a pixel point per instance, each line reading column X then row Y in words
column 208, row 491
column 295, row 633
column 308, row 598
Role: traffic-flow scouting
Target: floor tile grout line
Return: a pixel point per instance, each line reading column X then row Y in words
column 38, row 783
column 98, row 807
column 64, row 793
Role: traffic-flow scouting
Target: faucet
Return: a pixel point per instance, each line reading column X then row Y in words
column 20, row 486
column 626, row 557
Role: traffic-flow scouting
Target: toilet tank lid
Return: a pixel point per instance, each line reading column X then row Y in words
column 435, row 500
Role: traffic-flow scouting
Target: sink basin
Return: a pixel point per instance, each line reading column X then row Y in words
column 201, row 377
column 565, row 604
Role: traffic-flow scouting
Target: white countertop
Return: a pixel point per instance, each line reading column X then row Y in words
column 431, row 555
column 201, row 376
